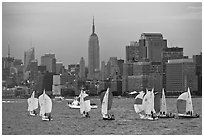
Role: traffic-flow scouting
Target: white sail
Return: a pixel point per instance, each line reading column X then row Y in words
column 45, row 104
column 189, row 105
column 32, row 102
column 146, row 102
column 182, row 103
column 163, row 103
column 138, row 102
column 104, row 106
column 152, row 101
column 84, row 102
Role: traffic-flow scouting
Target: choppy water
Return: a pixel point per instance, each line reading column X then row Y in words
column 15, row 120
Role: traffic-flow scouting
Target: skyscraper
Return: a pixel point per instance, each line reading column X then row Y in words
column 49, row 61
column 93, row 55
column 181, row 74
column 82, row 68
column 29, row 55
column 154, row 44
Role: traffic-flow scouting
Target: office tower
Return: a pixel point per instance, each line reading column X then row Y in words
column 169, row 54
column 180, row 74
column 135, row 52
column 172, row 53
column 56, row 87
column 49, row 61
column 74, row 69
column 82, row 68
column 113, row 68
column 29, row 55
column 103, row 71
column 197, row 59
column 93, row 55
column 120, row 65
column 59, row 67
column 33, row 70
column 154, row 44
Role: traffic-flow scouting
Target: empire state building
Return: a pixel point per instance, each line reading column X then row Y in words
column 93, row 56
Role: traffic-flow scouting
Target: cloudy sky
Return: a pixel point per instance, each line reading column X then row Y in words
column 64, row 28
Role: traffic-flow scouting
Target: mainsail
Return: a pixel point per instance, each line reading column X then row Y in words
column 32, row 102
column 184, row 103
column 45, row 104
column 148, row 102
column 106, row 101
column 84, row 102
column 138, row 102
column 163, row 103
column 157, row 102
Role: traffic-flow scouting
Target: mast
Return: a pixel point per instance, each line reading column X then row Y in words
column 93, row 27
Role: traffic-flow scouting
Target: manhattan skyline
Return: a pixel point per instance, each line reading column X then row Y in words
column 64, row 28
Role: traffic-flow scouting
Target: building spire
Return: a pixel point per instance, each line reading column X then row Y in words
column 93, row 27
column 8, row 50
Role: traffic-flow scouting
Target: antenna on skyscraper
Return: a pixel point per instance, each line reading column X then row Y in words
column 8, row 51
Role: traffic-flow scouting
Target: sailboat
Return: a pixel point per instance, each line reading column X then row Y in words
column 75, row 104
column 85, row 106
column 106, row 98
column 148, row 106
column 32, row 104
column 163, row 108
column 45, row 107
column 138, row 104
column 185, row 106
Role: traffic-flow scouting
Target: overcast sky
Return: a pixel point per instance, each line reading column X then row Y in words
column 64, row 28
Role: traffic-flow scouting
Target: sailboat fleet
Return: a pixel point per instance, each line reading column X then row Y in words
column 145, row 106
column 45, row 103
column 149, row 105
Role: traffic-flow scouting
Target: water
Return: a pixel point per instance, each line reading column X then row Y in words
column 66, row 121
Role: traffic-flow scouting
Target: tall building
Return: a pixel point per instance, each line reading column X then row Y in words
column 169, row 54
column 82, row 68
column 103, row 70
column 29, row 55
column 74, row 69
column 49, row 61
column 59, row 67
column 135, row 52
column 197, row 59
column 93, row 55
column 34, row 70
column 181, row 74
column 172, row 53
column 154, row 44
column 113, row 68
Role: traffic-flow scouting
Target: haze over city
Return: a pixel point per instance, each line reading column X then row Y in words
column 64, row 28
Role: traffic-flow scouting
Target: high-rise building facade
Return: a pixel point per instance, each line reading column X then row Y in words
column 33, row 70
column 181, row 74
column 103, row 71
column 29, row 55
column 82, row 68
column 74, row 69
column 49, row 61
column 135, row 52
column 59, row 67
column 154, row 44
column 93, row 55
column 169, row 54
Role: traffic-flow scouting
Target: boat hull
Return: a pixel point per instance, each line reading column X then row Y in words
column 78, row 107
column 166, row 116
column 108, row 118
column 188, row 116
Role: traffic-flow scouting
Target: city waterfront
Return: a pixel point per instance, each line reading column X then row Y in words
column 66, row 121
